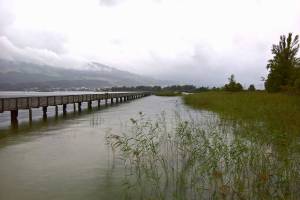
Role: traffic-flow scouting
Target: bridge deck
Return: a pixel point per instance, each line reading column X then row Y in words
column 20, row 103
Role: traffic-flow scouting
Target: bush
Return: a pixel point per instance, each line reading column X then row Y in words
column 251, row 88
column 233, row 86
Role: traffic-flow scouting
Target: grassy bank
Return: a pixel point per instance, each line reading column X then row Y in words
column 278, row 111
column 167, row 93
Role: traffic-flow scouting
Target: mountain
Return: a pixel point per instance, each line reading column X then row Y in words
column 15, row 75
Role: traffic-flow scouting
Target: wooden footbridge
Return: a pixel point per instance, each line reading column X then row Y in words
column 14, row 104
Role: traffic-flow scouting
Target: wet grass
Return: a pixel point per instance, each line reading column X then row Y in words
column 279, row 111
column 271, row 118
column 188, row 159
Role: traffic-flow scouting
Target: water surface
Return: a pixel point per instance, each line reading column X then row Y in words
column 66, row 157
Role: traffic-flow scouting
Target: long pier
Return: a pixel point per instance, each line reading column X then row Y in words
column 14, row 104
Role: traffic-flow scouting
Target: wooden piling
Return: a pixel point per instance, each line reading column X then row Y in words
column 14, row 116
column 90, row 105
column 30, row 114
column 44, row 112
column 64, row 109
column 56, row 111
column 79, row 106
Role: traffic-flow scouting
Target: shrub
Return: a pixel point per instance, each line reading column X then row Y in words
column 233, row 86
column 251, row 88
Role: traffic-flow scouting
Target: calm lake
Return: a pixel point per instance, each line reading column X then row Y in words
column 67, row 157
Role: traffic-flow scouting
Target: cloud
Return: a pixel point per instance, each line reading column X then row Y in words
column 191, row 41
column 40, row 56
column 109, row 2
column 6, row 16
column 38, row 39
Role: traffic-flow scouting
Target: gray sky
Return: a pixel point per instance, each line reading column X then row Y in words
column 189, row 41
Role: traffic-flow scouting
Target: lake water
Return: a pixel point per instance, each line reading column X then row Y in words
column 67, row 157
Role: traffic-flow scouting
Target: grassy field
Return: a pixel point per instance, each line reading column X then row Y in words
column 280, row 112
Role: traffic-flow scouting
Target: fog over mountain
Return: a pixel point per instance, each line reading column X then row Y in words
column 197, row 42
column 23, row 75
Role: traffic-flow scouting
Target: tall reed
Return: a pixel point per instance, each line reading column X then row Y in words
column 187, row 160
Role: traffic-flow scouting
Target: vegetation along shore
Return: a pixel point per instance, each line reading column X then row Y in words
column 248, row 150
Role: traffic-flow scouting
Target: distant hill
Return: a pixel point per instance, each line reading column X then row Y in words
column 16, row 75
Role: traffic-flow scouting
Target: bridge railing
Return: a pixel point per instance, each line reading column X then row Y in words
column 19, row 103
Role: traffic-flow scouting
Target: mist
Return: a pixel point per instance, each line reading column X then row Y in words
column 189, row 42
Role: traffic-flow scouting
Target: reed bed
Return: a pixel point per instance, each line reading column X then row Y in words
column 188, row 159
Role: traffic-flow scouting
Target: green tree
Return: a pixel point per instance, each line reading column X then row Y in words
column 282, row 66
column 233, row 86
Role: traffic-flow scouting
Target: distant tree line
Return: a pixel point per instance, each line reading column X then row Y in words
column 172, row 88
column 232, row 86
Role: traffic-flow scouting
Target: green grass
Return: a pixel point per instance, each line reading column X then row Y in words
column 167, row 93
column 279, row 111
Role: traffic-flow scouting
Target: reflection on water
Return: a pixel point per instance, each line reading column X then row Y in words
column 66, row 157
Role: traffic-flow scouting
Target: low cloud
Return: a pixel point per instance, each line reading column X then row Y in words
column 38, row 40
column 109, row 2
column 194, row 41
column 39, row 56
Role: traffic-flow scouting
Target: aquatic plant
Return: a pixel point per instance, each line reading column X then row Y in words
column 189, row 160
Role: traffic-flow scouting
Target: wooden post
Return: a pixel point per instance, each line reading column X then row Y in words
column 14, row 117
column 64, row 109
column 90, row 105
column 74, row 107
column 79, row 106
column 117, row 100
column 99, row 103
column 112, row 100
column 30, row 114
column 44, row 112
column 56, row 111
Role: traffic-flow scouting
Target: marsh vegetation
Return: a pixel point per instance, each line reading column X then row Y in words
column 211, row 159
column 248, row 148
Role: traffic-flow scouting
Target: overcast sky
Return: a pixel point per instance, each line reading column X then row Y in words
column 189, row 41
